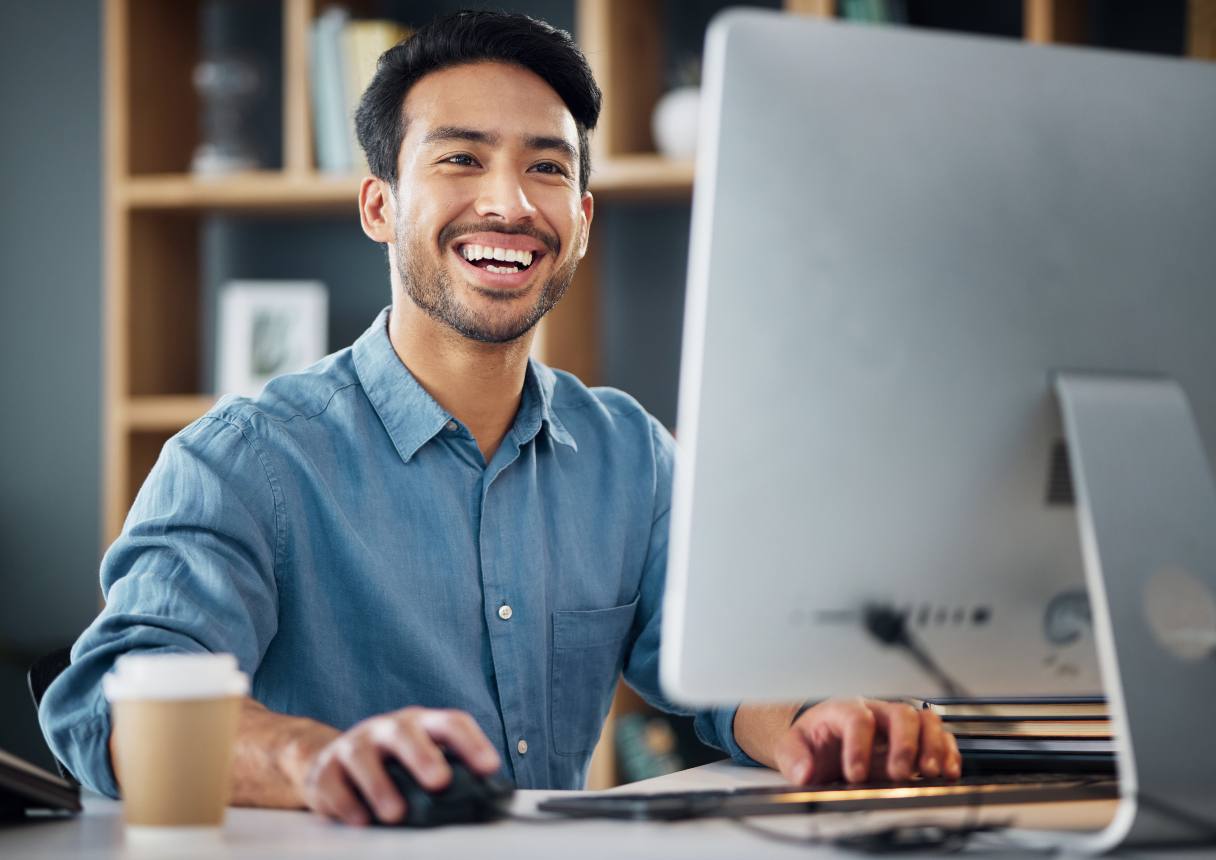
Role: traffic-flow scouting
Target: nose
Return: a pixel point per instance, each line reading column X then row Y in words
column 502, row 195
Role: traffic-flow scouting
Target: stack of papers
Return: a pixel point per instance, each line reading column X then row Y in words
column 1031, row 732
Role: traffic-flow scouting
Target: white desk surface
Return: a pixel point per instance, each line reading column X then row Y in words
column 257, row 833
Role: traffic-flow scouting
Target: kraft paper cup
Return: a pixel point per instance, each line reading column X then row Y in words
column 174, row 721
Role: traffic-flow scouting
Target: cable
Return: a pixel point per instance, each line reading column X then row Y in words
column 885, row 840
column 890, row 628
column 524, row 818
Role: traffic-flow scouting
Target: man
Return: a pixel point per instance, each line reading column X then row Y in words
column 428, row 540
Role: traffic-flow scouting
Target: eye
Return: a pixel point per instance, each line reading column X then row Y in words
column 461, row 159
column 550, row 168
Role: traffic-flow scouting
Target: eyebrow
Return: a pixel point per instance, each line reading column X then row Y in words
column 560, row 144
column 473, row 135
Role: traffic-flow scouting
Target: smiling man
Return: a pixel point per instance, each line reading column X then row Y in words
column 429, row 540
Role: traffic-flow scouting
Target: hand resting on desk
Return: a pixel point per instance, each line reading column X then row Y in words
column 851, row 739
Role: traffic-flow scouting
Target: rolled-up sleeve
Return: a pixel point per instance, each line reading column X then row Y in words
column 714, row 726
column 193, row 571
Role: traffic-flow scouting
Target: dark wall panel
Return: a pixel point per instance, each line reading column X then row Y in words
column 50, row 341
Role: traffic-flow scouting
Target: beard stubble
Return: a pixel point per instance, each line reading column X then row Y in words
column 430, row 287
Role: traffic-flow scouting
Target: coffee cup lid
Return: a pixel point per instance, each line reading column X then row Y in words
column 175, row 676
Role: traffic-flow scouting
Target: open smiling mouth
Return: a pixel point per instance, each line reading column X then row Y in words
column 498, row 261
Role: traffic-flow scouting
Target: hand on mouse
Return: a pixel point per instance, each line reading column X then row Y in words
column 354, row 761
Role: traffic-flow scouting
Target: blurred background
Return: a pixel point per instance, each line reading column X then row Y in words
column 179, row 187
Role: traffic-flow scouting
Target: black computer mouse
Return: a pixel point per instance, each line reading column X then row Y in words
column 468, row 798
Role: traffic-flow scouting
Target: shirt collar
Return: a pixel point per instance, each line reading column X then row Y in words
column 412, row 417
column 537, row 407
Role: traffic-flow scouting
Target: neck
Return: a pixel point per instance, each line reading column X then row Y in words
column 480, row 384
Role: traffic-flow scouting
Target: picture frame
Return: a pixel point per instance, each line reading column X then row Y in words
column 266, row 329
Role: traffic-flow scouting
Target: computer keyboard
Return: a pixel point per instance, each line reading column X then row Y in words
column 777, row 800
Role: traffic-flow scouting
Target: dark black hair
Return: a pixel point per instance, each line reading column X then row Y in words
column 470, row 37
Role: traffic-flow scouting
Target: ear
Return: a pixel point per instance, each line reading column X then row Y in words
column 587, row 204
column 376, row 213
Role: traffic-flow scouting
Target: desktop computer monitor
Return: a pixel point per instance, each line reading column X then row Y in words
column 950, row 353
column 900, row 241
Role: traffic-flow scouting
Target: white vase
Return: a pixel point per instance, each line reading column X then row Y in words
column 674, row 122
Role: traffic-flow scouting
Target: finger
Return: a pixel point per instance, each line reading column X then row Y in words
column 331, row 794
column 795, row 758
column 854, row 724
column 817, row 734
column 932, row 743
column 402, row 735
column 460, row 733
column 879, row 759
column 364, row 765
column 953, row 767
column 902, row 728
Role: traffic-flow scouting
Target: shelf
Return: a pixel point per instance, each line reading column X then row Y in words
column 268, row 192
column 634, row 176
column 642, row 176
column 165, row 413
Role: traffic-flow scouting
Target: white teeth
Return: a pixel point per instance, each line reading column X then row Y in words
column 502, row 270
column 486, row 252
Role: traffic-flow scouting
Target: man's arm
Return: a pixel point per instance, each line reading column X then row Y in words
column 289, row 762
column 854, row 739
column 270, row 759
column 272, row 756
column 193, row 571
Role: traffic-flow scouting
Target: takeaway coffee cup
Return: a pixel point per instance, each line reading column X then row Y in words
column 174, row 721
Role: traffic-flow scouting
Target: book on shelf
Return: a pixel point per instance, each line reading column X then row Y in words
column 362, row 44
column 875, row 11
column 325, row 73
column 1053, row 707
column 344, row 53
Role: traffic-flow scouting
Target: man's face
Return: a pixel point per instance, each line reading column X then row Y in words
column 489, row 224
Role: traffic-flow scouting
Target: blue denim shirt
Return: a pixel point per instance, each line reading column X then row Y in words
column 344, row 538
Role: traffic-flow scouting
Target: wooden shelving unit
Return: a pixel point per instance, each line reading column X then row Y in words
column 629, row 177
column 154, row 208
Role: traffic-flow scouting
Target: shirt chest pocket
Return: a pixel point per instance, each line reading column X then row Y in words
column 588, row 652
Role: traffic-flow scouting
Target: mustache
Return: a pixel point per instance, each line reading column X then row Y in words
column 453, row 232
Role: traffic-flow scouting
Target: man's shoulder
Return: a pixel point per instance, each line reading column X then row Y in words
column 601, row 407
column 300, row 396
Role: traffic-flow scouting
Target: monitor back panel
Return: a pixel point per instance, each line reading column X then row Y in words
column 897, row 237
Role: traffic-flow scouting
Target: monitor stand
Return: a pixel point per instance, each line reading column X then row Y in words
column 1146, row 508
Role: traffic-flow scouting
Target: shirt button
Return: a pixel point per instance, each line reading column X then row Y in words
column 504, row 612
column 522, row 746
column 453, row 426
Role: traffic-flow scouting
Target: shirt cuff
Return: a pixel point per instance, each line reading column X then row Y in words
column 88, row 756
column 716, row 727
